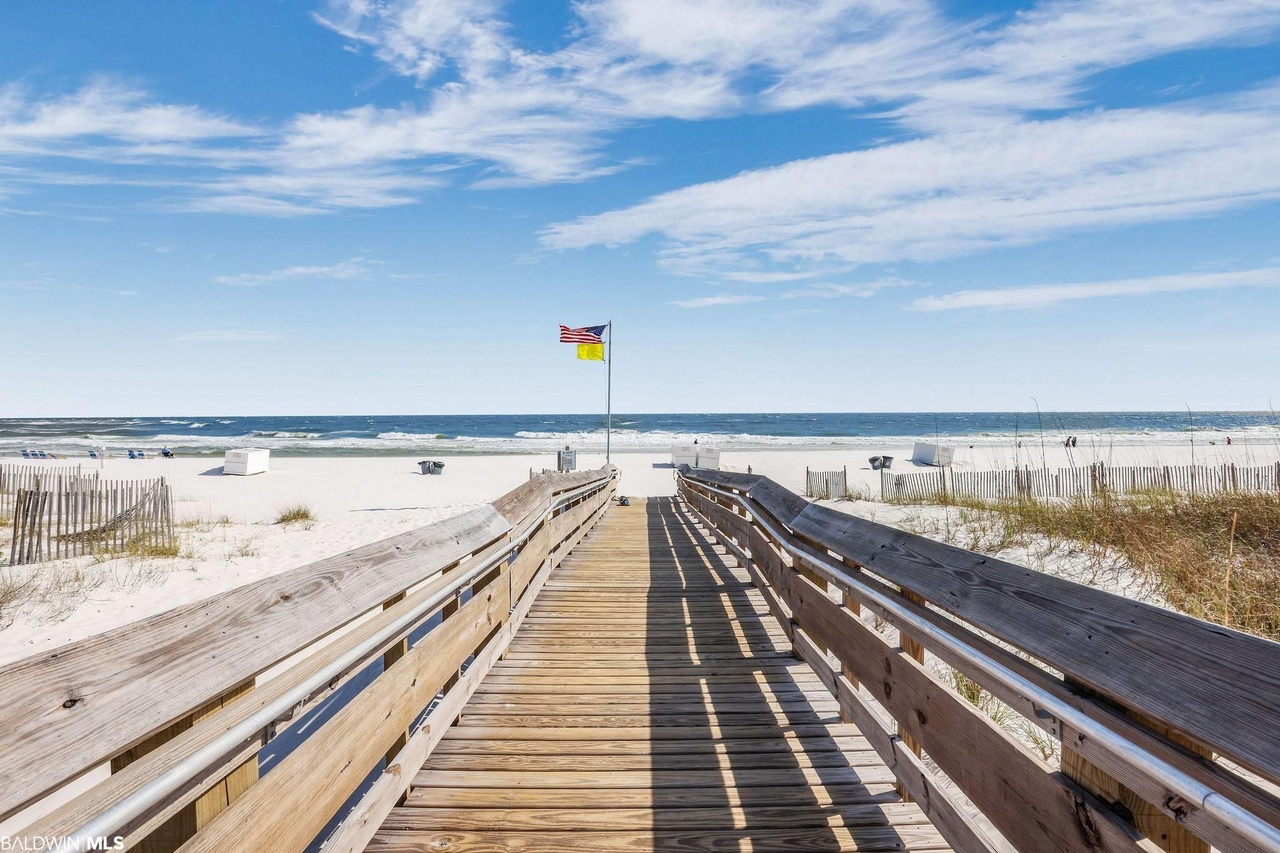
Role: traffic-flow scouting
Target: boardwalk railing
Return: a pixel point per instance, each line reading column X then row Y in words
column 177, row 706
column 74, row 515
column 1141, row 699
column 1084, row 481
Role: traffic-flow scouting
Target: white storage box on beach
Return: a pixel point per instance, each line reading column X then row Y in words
column 932, row 454
column 686, row 454
column 251, row 460
column 709, row 457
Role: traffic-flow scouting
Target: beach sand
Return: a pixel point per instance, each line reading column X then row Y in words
column 228, row 537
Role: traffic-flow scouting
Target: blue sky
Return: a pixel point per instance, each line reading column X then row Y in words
column 301, row 206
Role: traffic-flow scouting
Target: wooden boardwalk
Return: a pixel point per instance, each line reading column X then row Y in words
column 650, row 702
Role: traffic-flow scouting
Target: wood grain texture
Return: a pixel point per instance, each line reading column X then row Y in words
column 358, row 827
column 798, row 840
column 119, row 683
column 286, row 809
column 650, row 702
column 81, row 704
column 1031, row 804
column 1215, row 685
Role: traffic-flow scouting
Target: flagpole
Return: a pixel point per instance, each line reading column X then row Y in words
column 608, row 396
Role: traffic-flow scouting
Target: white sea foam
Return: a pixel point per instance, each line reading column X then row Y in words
column 623, row 440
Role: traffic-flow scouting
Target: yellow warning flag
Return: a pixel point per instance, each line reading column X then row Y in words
column 591, row 352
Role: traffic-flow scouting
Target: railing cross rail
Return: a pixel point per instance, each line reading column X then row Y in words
column 1192, row 792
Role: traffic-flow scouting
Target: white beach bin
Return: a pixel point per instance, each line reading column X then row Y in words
column 684, row 454
column 932, row 454
column 709, row 457
column 250, row 460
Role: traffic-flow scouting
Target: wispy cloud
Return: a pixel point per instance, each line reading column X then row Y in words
column 817, row 290
column 493, row 112
column 119, row 118
column 226, row 336
column 864, row 290
column 350, row 270
column 713, row 301
column 1012, row 182
column 1040, row 295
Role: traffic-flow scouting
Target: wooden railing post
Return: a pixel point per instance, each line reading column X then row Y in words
column 445, row 612
column 389, row 657
column 1161, row 829
column 914, row 650
column 174, row 832
column 855, row 607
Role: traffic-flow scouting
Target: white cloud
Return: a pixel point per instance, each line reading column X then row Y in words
column 224, row 336
column 712, row 301
column 350, row 270
column 1039, row 295
column 1012, row 182
column 516, row 116
column 109, row 112
column 863, row 290
column 420, row 38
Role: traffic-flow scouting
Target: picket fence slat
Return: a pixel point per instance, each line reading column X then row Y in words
column 62, row 514
column 1085, row 481
column 826, row 485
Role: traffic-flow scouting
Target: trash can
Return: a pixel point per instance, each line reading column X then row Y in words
column 876, row 462
column 431, row 467
column 886, row 462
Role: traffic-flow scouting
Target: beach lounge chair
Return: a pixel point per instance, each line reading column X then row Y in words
column 93, row 454
column 40, row 454
column 26, row 454
column 167, row 453
column 133, row 455
column 142, row 454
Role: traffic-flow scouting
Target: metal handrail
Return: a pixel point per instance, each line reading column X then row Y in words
column 1242, row 821
column 156, row 790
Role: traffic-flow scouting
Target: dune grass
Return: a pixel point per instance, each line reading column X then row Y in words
column 295, row 514
column 1215, row 557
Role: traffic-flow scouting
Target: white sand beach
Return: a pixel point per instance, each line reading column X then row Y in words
column 228, row 537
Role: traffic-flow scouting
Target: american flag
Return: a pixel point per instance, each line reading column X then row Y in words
column 585, row 335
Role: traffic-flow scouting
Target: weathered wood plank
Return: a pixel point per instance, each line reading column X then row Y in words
column 453, row 745
column 1220, row 689
column 638, row 712
column 76, row 707
column 286, row 809
column 497, row 761
column 419, row 818
column 870, row 838
column 648, row 798
column 1030, row 803
column 656, row 778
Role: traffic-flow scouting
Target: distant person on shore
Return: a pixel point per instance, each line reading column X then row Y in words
column 1074, row 440
column 1228, row 439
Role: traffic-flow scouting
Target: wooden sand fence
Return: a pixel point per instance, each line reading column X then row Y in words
column 73, row 516
column 826, row 485
column 16, row 478
column 1087, row 481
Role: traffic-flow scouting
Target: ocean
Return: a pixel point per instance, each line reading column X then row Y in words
column 352, row 435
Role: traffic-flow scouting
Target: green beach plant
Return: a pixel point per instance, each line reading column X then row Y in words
column 294, row 514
